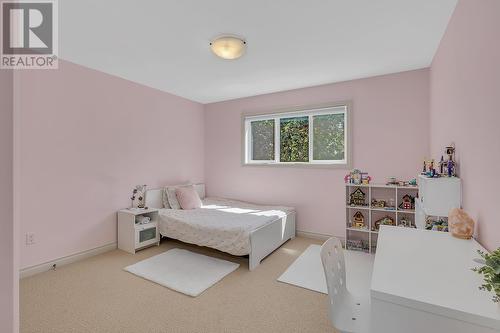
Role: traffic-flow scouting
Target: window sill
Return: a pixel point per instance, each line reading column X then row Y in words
column 343, row 166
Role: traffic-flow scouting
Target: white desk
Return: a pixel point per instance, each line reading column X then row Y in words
column 422, row 283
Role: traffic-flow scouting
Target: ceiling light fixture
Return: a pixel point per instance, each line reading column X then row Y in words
column 228, row 47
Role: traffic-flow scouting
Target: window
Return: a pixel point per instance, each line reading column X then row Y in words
column 262, row 140
column 312, row 136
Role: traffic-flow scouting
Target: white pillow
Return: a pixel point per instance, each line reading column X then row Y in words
column 200, row 188
column 165, row 199
column 172, row 198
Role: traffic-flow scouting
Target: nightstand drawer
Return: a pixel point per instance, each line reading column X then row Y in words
column 146, row 234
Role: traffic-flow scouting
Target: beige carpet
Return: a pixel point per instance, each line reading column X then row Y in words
column 96, row 295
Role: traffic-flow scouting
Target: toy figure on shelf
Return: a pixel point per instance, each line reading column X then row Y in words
column 431, row 170
column 441, row 224
column 451, row 164
column 365, row 179
column 407, row 223
column 378, row 203
column 441, row 165
column 357, row 198
column 450, row 169
column 446, row 168
column 390, row 205
column 356, row 245
column 412, row 182
column 392, row 181
column 357, row 177
column 387, row 220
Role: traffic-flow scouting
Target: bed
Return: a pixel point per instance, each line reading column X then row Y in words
column 235, row 227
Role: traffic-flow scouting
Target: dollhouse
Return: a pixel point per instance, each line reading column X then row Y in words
column 357, row 198
column 408, row 202
column 358, row 221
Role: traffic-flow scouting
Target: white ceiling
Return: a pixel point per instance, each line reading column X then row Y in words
column 291, row 44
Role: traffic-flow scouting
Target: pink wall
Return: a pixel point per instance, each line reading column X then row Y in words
column 86, row 138
column 390, row 138
column 9, row 271
column 465, row 108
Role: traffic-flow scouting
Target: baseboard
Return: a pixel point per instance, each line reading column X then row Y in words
column 315, row 235
column 32, row 270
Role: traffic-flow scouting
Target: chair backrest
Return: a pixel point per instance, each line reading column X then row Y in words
column 332, row 256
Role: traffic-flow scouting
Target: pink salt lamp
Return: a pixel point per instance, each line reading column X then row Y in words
column 460, row 223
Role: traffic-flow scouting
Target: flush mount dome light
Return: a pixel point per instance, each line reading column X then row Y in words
column 228, row 47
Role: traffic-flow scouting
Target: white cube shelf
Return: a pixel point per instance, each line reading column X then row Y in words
column 394, row 193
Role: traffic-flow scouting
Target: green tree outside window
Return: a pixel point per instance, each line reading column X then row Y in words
column 294, row 139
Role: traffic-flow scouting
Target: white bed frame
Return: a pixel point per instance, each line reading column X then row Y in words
column 263, row 240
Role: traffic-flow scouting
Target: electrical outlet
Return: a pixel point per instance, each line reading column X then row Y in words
column 30, row 238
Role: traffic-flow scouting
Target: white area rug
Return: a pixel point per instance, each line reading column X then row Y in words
column 307, row 271
column 183, row 271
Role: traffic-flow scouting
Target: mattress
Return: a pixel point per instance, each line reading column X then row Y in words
column 222, row 224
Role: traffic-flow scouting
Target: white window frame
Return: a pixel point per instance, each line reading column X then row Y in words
column 310, row 112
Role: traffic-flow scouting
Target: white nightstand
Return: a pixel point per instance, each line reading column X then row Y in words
column 133, row 236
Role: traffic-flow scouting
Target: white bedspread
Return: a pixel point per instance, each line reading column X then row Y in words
column 221, row 224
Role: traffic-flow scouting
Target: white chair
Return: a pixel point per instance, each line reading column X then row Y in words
column 349, row 305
